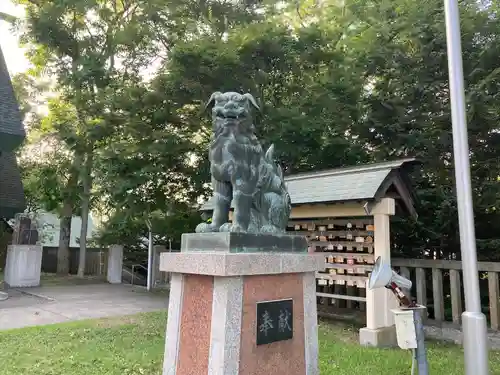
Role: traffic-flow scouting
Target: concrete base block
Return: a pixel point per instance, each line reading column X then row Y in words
column 115, row 264
column 23, row 265
column 380, row 337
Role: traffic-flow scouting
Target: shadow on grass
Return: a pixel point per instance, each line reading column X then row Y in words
column 52, row 279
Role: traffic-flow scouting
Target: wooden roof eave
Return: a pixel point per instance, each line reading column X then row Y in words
column 404, row 192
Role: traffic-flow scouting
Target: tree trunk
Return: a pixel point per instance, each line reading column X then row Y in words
column 64, row 238
column 87, row 184
column 66, row 216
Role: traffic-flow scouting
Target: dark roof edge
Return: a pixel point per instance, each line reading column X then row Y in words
column 395, row 164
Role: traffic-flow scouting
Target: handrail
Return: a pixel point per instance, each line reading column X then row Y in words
column 139, row 265
column 133, row 271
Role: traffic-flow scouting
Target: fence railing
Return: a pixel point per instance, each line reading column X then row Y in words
column 446, row 286
column 437, row 284
column 96, row 261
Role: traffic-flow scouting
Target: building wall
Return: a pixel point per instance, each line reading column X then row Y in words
column 49, row 225
column 5, row 239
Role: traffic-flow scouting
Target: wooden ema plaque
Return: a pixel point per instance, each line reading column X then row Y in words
column 348, row 245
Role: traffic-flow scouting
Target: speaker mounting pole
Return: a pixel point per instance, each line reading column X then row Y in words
column 473, row 320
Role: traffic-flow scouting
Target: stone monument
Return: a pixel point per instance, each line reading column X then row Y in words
column 243, row 293
column 24, row 256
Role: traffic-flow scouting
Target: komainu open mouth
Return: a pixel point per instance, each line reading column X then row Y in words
column 230, row 116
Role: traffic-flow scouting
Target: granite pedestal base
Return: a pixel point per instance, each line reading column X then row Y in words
column 384, row 337
column 212, row 317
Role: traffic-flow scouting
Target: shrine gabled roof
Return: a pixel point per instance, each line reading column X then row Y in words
column 367, row 182
column 12, row 131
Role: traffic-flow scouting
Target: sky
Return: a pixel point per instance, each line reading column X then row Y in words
column 14, row 55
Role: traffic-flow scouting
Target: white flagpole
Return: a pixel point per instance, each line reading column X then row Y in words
column 473, row 320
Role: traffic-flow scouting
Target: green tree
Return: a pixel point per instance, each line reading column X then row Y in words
column 337, row 90
column 409, row 114
column 80, row 43
column 340, row 83
column 43, row 159
column 152, row 161
column 301, row 86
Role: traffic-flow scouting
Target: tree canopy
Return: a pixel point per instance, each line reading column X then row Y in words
column 339, row 83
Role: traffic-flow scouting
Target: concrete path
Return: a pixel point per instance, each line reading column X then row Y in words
column 57, row 304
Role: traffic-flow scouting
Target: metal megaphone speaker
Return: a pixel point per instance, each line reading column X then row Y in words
column 383, row 276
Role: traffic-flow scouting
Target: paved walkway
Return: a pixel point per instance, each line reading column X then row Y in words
column 57, row 304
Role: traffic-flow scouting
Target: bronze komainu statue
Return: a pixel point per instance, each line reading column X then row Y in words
column 242, row 173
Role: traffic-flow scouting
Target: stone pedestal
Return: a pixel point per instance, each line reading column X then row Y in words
column 115, row 264
column 23, row 265
column 225, row 297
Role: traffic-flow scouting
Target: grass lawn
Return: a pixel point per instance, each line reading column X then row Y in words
column 134, row 346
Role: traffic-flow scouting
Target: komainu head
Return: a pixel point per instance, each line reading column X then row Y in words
column 232, row 112
column 242, row 171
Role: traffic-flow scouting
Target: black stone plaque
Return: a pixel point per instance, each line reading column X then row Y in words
column 274, row 321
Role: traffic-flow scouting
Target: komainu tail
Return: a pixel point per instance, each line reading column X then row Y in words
column 270, row 158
